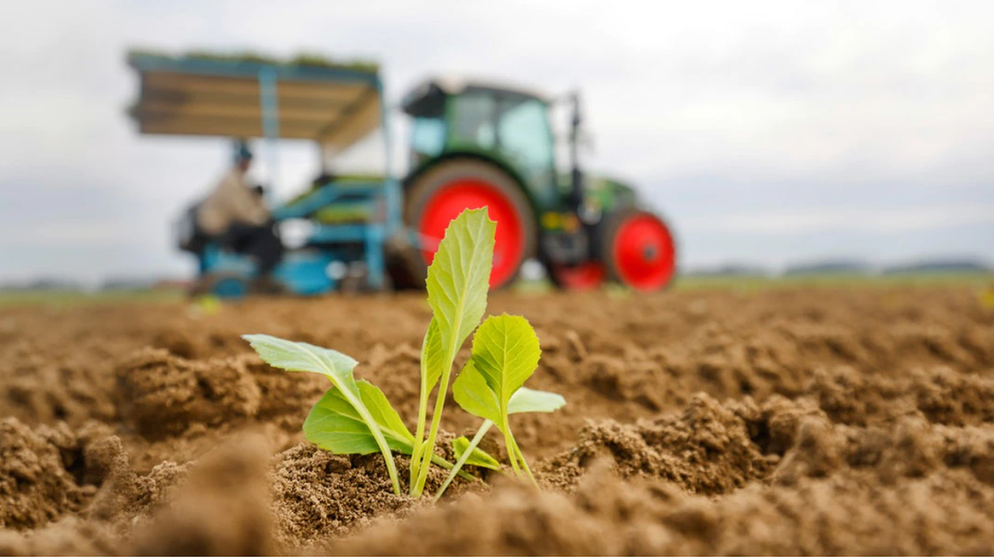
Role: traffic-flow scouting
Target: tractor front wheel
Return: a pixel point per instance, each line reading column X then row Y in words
column 444, row 191
column 638, row 250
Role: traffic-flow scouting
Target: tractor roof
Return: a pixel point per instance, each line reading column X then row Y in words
column 429, row 93
column 335, row 104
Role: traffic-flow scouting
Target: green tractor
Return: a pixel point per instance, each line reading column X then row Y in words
column 476, row 144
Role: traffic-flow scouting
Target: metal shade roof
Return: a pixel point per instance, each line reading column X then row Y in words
column 202, row 97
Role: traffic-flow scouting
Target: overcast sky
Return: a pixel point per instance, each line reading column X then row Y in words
column 767, row 132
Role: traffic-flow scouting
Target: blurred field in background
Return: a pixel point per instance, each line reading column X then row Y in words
column 983, row 283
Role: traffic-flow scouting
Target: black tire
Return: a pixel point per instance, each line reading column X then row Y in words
column 429, row 183
column 211, row 284
column 405, row 268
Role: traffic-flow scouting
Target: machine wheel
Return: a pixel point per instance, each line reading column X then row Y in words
column 638, row 250
column 222, row 285
column 584, row 277
column 405, row 267
column 441, row 193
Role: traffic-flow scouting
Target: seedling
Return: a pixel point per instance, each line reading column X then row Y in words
column 524, row 400
column 505, row 354
column 355, row 417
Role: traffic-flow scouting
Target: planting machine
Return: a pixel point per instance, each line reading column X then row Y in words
column 472, row 144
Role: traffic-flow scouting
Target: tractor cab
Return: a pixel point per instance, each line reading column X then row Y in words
column 508, row 125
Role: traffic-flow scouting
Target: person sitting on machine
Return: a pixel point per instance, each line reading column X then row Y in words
column 235, row 215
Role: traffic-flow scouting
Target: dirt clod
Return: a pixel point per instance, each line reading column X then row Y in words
column 223, row 508
column 35, row 487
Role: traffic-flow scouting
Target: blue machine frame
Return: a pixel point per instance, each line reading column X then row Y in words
column 303, row 271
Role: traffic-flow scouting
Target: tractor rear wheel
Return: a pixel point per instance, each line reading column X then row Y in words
column 638, row 250
column 444, row 191
column 228, row 286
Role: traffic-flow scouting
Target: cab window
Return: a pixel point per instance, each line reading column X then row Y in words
column 473, row 120
column 427, row 138
column 525, row 138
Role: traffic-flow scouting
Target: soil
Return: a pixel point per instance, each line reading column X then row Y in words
column 789, row 421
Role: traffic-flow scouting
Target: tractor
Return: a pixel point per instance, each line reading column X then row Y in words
column 473, row 144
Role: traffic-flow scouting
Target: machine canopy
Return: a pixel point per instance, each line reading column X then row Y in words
column 334, row 105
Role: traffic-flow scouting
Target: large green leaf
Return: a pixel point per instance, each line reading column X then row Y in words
column 459, row 277
column 479, row 457
column 334, row 424
column 505, row 353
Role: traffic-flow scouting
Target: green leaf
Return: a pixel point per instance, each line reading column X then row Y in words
column 506, row 353
column 347, row 411
column 475, row 397
column 334, row 424
column 459, row 277
column 527, row 400
column 385, row 415
column 432, row 356
column 479, row 457
column 304, row 357
column 472, row 393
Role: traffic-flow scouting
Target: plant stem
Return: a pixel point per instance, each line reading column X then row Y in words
column 416, row 455
column 415, row 467
column 464, row 457
column 448, row 467
column 523, row 462
column 374, row 428
column 509, row 445
column 422, row 415
column 436, row 419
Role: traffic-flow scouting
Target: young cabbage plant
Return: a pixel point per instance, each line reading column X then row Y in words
column 505, row 353
column 354, row 416
column 524, row 400
column 457, row 284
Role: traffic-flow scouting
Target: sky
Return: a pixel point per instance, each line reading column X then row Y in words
column 765, row 132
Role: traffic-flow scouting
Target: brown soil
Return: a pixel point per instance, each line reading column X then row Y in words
column 794, row 421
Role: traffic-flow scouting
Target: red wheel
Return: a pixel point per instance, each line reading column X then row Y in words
column 445, row 191
column 640, row 251
column 584, row 277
